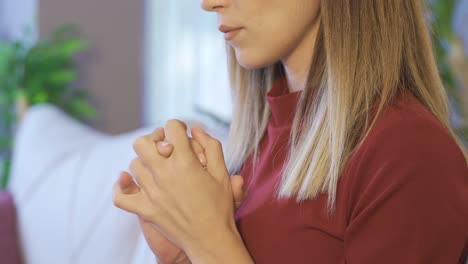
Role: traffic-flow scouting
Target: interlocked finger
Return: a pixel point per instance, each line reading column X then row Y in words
column 142, row 175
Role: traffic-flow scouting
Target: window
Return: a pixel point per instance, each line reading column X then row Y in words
column 185, row 69
column 17, row 17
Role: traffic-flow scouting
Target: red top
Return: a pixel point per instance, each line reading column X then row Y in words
column 403, row 197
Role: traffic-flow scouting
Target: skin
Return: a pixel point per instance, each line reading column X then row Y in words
column 164, row 250
column 173, row 203
column 186, row 210
column 272, row 31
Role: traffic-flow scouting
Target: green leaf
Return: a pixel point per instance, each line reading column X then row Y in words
column 81, row 109
column 40, row 98
column 5, row 172
column 41, row 72
column 73, row 46
column 442, row 11
column 6, row 142
column 463, row 133
column 62, row 77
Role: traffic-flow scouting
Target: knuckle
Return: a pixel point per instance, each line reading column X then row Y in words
column 216, row 144
column 158, row 130
column 197, row 148
column 139, row 143
column 158, row 134
column 153, row 197
column 134, row 164
column 187, row 164
column 147, row 215
column 149, row 212
column 117, row 201
column 176, row 123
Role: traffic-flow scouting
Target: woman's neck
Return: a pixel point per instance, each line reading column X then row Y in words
column 297, row 63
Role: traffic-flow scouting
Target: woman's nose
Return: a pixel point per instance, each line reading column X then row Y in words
column 212, row 5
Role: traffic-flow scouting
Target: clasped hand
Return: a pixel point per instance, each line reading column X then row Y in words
column 183, row 191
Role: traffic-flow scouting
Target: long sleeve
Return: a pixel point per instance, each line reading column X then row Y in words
column 402, row 197
column 411, row 198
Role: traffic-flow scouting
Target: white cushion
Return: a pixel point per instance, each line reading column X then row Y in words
column 62, row 176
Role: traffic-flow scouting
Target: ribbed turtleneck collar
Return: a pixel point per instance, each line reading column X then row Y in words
column 282, row 103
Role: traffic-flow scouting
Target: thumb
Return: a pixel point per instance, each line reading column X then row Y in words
column 238, row 193
column 213, row 150
column 127, row 184
column 165, row 148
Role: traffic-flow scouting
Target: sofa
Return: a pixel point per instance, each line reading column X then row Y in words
column 9, row 244
column 61, row 180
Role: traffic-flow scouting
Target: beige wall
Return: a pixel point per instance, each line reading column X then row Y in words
column 112, row 69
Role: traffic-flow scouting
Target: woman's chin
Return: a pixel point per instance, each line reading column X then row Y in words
column 252, row 61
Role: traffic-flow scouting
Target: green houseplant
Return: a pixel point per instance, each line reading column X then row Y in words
column 452, row 62
column 41, row 72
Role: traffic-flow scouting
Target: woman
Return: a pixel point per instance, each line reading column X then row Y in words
column 340, row 131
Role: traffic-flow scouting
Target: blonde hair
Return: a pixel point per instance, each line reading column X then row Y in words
column 331, row 121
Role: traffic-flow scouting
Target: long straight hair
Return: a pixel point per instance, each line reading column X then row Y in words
column 350, row 81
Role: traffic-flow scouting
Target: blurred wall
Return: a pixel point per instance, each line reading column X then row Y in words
column 112, row 70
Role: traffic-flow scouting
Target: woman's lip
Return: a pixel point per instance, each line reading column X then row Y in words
column 231, row 34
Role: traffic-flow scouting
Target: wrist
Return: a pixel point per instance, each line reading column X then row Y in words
column 180, row 261
column 225, row 246
column 184, row 261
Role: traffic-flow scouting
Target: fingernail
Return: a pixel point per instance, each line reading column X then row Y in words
column 202, row 130
column 122, row 184
column 163, row 143
column 202, row 159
